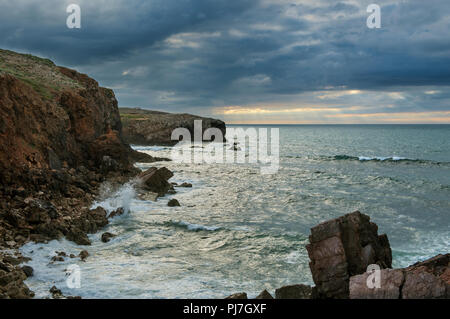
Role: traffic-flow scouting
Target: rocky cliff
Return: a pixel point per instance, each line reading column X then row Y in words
column 53, row 117
column 144, row 127
column 60, row 137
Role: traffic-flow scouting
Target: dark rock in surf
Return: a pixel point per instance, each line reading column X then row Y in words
column 294, row 292
column 264, row 295
column 173, row 203
column 156, row 180
column 106, row 237
column 83, row 255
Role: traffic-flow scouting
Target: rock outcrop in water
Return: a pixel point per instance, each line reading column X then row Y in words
column 341, row 250
column 144, row 127
column 344, row 247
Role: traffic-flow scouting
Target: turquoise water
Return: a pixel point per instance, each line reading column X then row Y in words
column 238, row 230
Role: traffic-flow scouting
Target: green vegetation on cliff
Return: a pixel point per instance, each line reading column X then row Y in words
column 41, row 74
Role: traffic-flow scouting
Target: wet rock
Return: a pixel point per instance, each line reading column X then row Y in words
column 118, row 212
column 56, row 293
column 106, row 237
column 57, row 258
column 83, row 255
column 294, row 292
column 28, row 271
column 187, row 185
column 264, row 295
column 173, row 203
column 344, row 247
column 78, row 236
column 241, row 295
column 156, row 180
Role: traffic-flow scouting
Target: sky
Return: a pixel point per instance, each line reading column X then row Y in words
column 252, row 61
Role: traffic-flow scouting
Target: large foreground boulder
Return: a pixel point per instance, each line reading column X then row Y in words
column 424, row 280
column 342, row 248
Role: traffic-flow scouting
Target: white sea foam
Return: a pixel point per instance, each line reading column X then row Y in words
column 113, row 200
column 148, row 148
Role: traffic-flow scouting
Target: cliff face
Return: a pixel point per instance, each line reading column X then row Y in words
column 53, row 117
column 144, row 127
column 60, row 138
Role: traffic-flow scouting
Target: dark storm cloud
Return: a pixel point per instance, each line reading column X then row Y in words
column 185, row 53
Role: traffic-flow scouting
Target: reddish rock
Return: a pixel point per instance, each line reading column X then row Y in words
column 423, row 280
column 344, row 247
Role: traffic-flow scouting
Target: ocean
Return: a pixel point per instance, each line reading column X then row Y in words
column 239, row 230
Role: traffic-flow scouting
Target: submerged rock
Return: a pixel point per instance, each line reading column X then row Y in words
column 83, row 255
column 186, row 185
column 173, row 203
column 106, row 237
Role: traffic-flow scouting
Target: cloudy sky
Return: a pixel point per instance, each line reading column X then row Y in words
column 252, row 61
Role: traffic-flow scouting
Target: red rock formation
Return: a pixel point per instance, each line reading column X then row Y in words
column 344, row 247
column 424, row 280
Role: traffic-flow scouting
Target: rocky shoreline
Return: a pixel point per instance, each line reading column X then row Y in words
column 61, row 139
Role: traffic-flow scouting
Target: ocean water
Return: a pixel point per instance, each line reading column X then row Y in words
column 238, row 230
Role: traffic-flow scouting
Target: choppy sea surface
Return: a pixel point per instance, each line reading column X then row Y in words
column 238, row 230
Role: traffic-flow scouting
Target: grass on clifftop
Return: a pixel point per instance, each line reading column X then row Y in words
column 41, row 74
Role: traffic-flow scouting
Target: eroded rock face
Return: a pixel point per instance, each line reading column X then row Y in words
column 12, row 277
column 424, row 280
column 344, row 247
column 144, row 127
